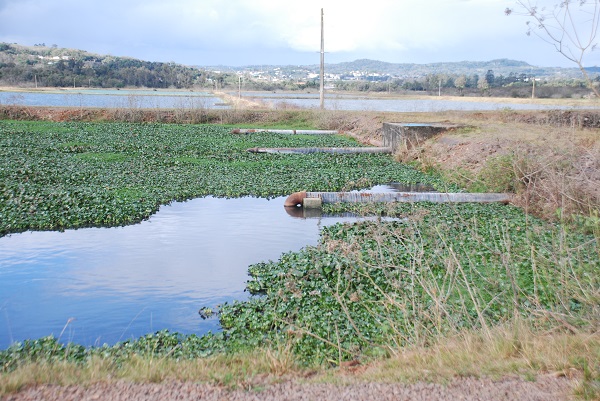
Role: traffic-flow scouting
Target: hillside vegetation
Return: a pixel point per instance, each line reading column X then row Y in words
column 59, row 67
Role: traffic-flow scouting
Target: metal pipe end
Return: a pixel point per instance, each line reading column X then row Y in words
column 295, row 199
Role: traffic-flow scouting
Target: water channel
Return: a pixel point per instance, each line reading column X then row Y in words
column 103, row 285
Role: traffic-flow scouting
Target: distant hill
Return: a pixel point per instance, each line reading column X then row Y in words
column 58, row 67
column 499, row 66
column 50, row 66
column 412, row 70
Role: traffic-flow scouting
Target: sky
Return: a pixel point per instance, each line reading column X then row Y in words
column 283, row 32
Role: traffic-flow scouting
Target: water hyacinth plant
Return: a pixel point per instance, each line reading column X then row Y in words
column 67, row 175
column 373, row 287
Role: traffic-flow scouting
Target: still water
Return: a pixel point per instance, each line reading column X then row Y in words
column 112, row 98
column 149, row 99
column 103, row 285
column 354, row 103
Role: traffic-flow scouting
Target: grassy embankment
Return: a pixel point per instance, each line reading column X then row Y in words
column 449, row 290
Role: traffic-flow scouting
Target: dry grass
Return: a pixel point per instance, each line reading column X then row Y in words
column 554, row 168
column 510, row 350
column 513, row 350
column 240, row 370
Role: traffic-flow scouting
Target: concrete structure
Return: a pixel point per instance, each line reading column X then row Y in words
column 309, row 199
column 306, row 151
column 284, row 131
column 408, row 135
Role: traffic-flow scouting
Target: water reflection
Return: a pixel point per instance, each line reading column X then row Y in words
column 124, row 282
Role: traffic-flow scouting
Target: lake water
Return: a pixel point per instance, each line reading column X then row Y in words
column 103, row 285
column 149, row 99
column 353, row 102
column 112, row 98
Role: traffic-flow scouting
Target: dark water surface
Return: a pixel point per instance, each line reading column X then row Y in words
column 103, row 285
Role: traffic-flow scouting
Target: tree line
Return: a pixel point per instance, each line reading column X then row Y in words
column 512, row 85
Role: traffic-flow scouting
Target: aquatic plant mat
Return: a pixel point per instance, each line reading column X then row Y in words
column 66, row 175
column 443, row 290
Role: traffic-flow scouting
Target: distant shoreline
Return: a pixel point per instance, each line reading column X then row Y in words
column 232, row 95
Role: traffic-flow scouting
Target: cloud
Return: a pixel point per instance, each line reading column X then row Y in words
column 273, row 31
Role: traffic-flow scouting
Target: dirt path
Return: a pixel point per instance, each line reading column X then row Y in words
column 546, row 388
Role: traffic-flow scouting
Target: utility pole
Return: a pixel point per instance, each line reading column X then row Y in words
column 35, row 78
column 322, row 90
column 239, row 86
column 533, row 89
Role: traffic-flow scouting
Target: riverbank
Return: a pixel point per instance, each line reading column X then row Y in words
column 239, row 102
column 83, row 89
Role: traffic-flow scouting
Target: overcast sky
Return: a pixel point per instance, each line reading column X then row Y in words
column 254, row 32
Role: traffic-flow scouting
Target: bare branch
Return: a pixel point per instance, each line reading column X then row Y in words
column 571, row 27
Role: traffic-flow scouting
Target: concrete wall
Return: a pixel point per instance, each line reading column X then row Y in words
column 408, row 135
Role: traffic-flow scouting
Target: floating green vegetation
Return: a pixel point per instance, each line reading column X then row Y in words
column 376, row 286
column 103, row 157
column 163, row 343
column 55, row 176
column 74, row 147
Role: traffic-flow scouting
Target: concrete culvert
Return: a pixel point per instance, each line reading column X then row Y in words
column 436, row 197
column 284, row 131
column 299, row 198
column 306, row 151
